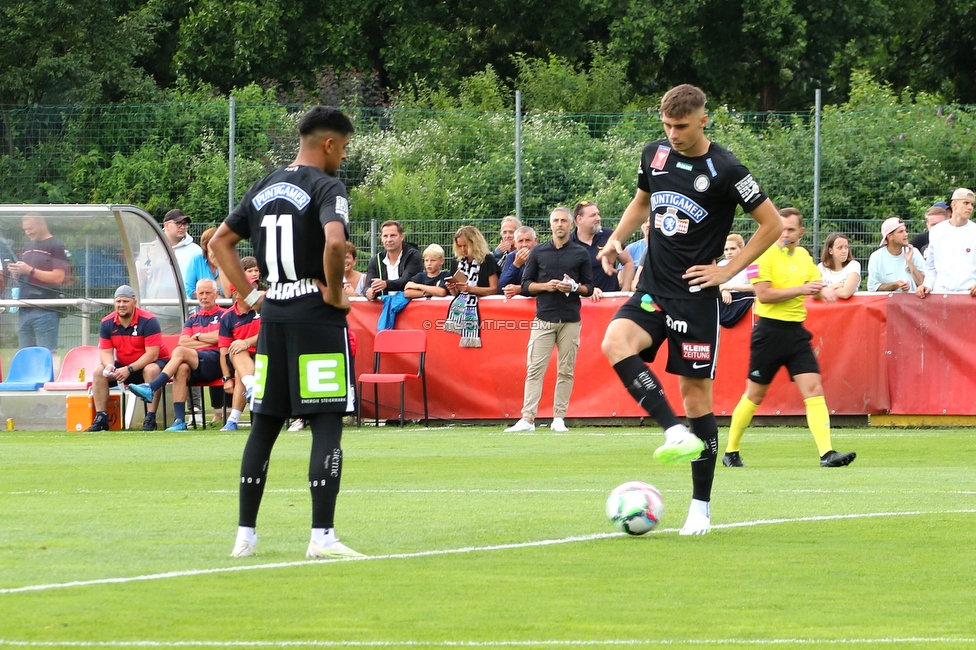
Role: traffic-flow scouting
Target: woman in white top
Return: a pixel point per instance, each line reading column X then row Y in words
column 737, row 293
column 733, row 246
column 839, row 270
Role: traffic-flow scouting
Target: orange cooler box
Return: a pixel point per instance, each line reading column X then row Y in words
column 80, row 410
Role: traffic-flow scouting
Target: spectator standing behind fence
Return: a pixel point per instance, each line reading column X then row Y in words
column 897, row 265
column 507, row 243
column 391, row 269
column 40, row 272
column 951, row 263
column 510, row 278
column 474, row 273
column 838, row 269
column 557, row 273
column 157, row 278
column 131, row 351
column 175, row 225
column 432, row 280
column 938, row 213
column 202, row 267
column 353, row 281
column 593, row 237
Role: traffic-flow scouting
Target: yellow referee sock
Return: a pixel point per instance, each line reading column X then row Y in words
column 818, row 419
column 741, row 417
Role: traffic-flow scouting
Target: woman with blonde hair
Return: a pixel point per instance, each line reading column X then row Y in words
column 737, row 293
column 474, row 273
column 839, row 270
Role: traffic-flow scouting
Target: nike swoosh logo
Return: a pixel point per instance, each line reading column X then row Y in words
column 699, row 366
column 658, row 172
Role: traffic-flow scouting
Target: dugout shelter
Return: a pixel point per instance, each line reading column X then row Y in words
column 107, row 245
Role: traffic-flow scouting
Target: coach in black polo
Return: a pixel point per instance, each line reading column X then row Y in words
column 557, row 273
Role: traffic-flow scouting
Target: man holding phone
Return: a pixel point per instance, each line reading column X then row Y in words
column 41, row 271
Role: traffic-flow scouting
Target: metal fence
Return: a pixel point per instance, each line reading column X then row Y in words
column 437, row 170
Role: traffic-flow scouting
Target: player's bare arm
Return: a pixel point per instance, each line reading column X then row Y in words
column 333, row 261
column 636, row 213
column 770, row 228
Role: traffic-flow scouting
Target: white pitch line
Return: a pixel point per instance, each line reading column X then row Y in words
column 538, row 643
column 451, row 551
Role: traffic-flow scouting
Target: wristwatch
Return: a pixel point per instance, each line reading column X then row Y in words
column 196, row 337
column 225, row 378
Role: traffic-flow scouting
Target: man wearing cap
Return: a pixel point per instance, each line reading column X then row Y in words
column 132, row 352
column 157, row 277
column 938, row 213
column 175, row 225
column 896, row 265
column 951, row 262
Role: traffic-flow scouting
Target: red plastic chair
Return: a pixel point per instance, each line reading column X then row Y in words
column 82, row 357
column 394, row 342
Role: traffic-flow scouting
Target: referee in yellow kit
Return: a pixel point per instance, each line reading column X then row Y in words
column 783, row 277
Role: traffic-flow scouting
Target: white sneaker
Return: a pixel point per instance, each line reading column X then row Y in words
column 521, row 425
column 244, row 547
column 680, row 446
column 696, row 524
column 297, row 424
column 335, row 550
column 558, row 425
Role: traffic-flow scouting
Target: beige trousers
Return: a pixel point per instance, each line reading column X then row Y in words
column 566, row 338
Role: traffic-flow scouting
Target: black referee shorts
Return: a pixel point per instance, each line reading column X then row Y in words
column 777, row 343
column 302, row 369
column 690, row 326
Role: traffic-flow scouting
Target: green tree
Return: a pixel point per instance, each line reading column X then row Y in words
column 81, row 51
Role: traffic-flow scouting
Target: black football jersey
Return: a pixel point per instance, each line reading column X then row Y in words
column 284, row 215
column 693, row 202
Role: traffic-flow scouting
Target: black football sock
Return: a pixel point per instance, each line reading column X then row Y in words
column 646, row 389
column 325, row 467
column 254, row 465
column 703, row 468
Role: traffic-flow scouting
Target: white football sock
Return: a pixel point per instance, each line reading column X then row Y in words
column 235, row 415
column 323, row 537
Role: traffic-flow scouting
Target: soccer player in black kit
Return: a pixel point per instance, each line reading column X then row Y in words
column 296, row 219
column 690, row 187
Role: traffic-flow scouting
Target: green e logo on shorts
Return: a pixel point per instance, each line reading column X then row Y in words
column 322, row 376
column 260, row 375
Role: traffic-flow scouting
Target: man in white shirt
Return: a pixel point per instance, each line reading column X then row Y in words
column 951, row 263
column 897, row 265
column 392, row 268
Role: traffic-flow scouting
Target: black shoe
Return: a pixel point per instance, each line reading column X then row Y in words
column 732, row 459
column 834, row 459
column 100, row 423
column 149, row 424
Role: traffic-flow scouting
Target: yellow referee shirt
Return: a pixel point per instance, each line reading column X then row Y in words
column 784, row 270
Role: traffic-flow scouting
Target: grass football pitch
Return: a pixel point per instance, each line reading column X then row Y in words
column 480, row 539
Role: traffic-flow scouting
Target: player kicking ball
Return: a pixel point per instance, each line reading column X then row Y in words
column 690, row 187
column 783, row 277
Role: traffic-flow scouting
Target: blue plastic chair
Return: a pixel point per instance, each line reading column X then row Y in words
column 29, row 370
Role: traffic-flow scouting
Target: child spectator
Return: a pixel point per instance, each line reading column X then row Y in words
column 430, row 281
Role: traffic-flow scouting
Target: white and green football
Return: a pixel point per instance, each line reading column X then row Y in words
column 635, row 507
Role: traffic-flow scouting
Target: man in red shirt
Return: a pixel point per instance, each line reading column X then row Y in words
column 132, row 352
column 238, row 340
column 196, row 360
